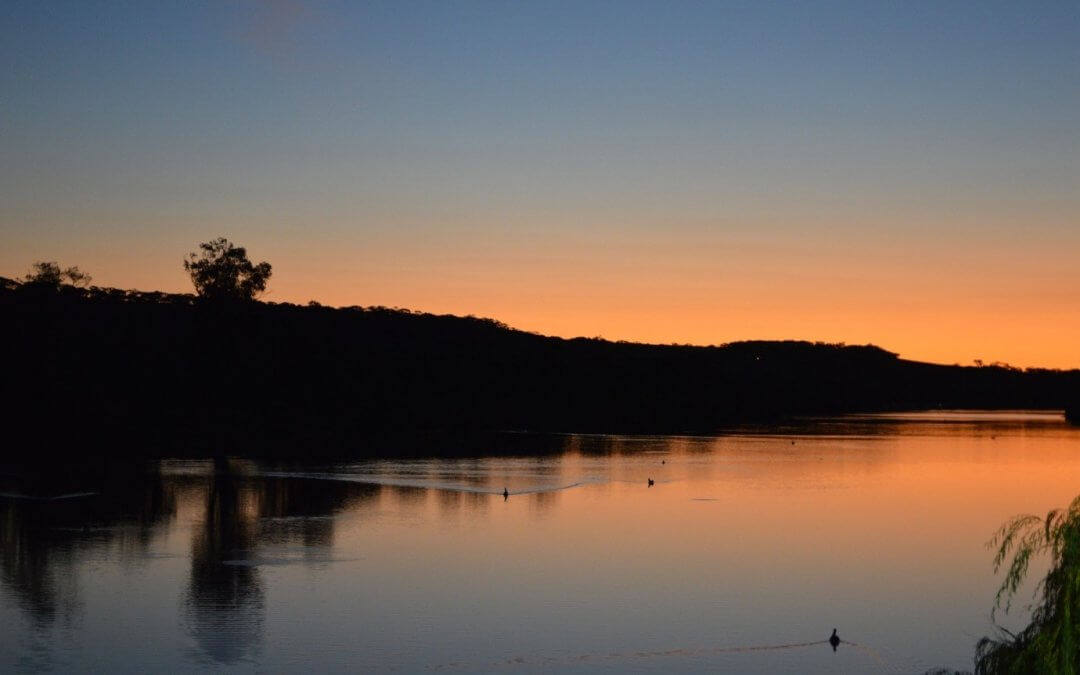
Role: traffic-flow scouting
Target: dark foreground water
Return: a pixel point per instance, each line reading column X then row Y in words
column 747, row 547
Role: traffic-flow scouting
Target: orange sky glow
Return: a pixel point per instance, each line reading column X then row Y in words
column 870, row 173
column 1000, row 299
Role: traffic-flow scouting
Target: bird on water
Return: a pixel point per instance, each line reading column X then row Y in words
column 834, row 640
column 506, row 493
column 650, row 482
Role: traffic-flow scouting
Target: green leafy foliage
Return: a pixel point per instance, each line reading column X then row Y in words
column 1051, row 642
column 221, row 271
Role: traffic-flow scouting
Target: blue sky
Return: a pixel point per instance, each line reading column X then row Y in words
column 354, row 144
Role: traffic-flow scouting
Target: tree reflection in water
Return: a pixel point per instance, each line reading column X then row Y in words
column 224, row 604
column 52, row 525
column 51, row 522
column 245, row 514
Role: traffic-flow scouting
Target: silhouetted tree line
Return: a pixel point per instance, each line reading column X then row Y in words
column 104, row 370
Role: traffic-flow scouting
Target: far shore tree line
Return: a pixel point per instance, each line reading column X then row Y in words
column 219, row 271
column 222, row 271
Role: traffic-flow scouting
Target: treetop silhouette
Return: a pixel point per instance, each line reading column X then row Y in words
column 222, row 271
column 48, row 273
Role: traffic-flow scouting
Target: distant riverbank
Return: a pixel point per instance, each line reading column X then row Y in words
column 120, row 371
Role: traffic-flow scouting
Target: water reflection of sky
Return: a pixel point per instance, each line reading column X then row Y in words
column 753, row 538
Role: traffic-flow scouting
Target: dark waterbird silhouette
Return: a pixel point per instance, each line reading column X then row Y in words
column 651, row 482
column 834, row 640
column 506, row 494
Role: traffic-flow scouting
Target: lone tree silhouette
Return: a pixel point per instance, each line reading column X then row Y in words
column 221, row 271
column 48, row 273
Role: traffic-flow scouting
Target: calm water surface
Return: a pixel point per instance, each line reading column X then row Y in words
column 769, row 538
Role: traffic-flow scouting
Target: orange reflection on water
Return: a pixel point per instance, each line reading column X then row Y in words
column 885, row 533
column 771, row 536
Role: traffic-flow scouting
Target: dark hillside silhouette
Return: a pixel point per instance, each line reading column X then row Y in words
column 106, row 371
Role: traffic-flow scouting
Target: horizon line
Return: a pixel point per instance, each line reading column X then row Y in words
column 977, row 363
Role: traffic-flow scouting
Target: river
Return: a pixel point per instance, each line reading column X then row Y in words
column 741, row 556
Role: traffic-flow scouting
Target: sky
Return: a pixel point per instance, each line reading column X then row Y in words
column 905, row 174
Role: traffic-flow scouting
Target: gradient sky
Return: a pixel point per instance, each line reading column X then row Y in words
column 901, row 173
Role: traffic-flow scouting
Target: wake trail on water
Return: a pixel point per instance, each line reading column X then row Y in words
column 547, row 661
column 424, row 484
